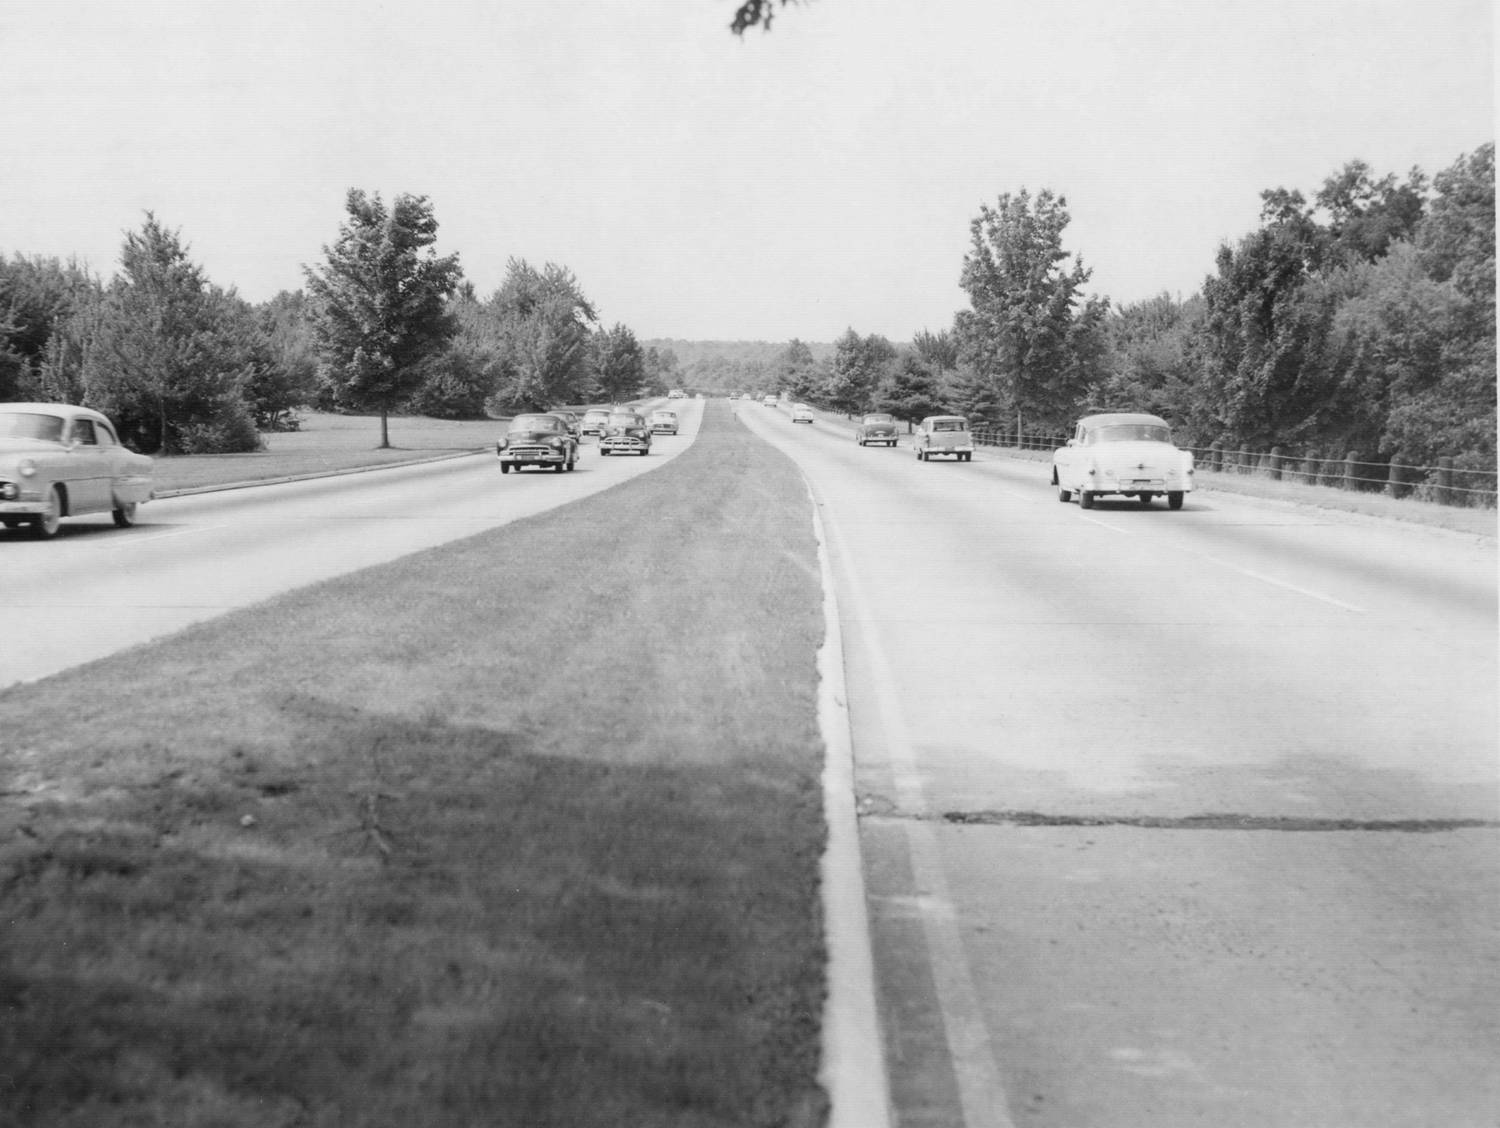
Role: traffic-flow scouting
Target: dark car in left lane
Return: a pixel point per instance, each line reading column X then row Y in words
column 537, row 440
column 57, row 461
column 626, row 432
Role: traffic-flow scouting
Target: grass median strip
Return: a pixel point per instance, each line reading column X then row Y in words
column 523, row 830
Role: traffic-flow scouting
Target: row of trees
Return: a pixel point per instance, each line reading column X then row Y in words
column 1362, row 320
column 385, row 324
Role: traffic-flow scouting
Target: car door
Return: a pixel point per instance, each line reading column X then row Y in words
column 88, row 476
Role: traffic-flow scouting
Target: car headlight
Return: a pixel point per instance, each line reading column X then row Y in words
column 554, row 442
column 26, row 468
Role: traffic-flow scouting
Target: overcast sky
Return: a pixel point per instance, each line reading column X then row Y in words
column 791, row 184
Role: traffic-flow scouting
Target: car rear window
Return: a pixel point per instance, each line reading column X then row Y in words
column 950, row 425
column 1130, row 433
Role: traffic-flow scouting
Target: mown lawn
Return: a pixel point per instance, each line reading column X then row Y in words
column 519, row 831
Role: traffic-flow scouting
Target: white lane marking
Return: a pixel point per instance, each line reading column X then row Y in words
column 854, row 1069
column 1261, row 576
column 981, row 1093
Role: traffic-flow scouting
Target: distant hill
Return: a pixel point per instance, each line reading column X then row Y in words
column 730, row 366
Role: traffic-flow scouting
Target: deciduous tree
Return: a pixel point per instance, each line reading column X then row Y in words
column 379, row 303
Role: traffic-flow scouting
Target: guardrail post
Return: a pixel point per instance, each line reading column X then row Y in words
column 1445, row 493
column 1310, row 468
column 1393, row 484
column 1350, row 481
column 1273, row 463
column 1216, row 456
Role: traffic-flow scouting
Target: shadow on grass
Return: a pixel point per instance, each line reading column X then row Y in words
column 471, row 934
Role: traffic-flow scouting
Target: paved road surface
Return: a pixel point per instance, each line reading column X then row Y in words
column 96, row 589
column 1167, row 815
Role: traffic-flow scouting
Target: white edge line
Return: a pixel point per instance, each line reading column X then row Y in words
column 981, row 1092
column 853, row 1070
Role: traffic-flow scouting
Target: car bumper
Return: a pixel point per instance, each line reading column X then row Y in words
column 629, row 446
column 664, row 430
column 533, row 457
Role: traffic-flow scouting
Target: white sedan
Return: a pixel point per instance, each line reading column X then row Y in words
column 802, row 414
column 1122, row 453
column 57, row 461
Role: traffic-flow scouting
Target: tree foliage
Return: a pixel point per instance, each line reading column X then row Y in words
column 545, row 326
column 859, row 365
column 619, row 365
column 1030, row 331
column 379, row 303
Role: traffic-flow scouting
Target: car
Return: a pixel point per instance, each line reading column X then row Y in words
column 801, row 413
column 944, row 434
column 537, row 440
column 663, row 422
column 1122, row 453
column 626, row 432
column 877, row 427
column 594, row 421
column 768, row 400
column 58, row 460
column 676, row 393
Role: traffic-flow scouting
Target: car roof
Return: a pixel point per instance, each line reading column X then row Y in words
column 62, row 410
column 1110, row 418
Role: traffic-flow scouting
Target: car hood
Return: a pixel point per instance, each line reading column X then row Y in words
column 28, row 446
column 531, row 436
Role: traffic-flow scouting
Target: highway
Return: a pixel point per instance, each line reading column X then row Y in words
column 1168, row 818
column 95, row 589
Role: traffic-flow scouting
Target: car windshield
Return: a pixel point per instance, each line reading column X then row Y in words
column 596, row 415
column 624, row 419
column 30, row 425
column 879, row 419
column 662, row 415
column 950, row 425
column 536, row 423
column 1129, row 433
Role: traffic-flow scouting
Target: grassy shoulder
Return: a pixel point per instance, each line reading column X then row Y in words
column 523, row 830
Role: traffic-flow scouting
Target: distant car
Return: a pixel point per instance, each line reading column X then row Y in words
column 801, row 413
column 876, row 428
column 1122, row 453
column 676, row 393
column 944, row 434
column 663, row 422
column 537, row 440
column 60, row 461
column 768, row 401
column 594, row 421
column 626, row 432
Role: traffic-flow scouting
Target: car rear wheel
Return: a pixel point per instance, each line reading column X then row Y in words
column 125, row 515
column 47, row 524
column 1174, row 499
column 1086, row 499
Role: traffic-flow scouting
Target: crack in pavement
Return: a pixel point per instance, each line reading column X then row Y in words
column 874, row 809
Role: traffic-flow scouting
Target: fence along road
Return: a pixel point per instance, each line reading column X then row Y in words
column 1169, row 818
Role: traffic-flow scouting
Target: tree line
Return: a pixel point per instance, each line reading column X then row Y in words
column 384, row 325
column 1359, row 321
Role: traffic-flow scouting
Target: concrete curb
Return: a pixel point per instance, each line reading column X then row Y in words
column 853, row 1071
column 312, row 475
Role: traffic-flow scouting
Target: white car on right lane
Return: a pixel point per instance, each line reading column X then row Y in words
column 1122, row 453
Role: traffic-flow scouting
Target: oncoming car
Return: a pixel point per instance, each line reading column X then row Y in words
column 802, row 414
column 537, row 440
column 944, row 434
column 663, row 422
column 876, row 428
column 626, row 432
column 594, row 421
column 1122, row 453
column 768, row 400
column 61, row 461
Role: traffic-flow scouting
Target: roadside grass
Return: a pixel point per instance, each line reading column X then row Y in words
column 523, row 830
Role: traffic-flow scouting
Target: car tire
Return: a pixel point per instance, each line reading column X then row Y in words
column 124, row 515
column 46, row 525
column 603, row 452
column 1174, row 499
column 1086, row 499
column 505, row 467
column 1064, row 495
column 558, row 467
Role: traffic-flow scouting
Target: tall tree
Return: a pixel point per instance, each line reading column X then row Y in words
column 619, row 365
column 1019, row 328
column 170, row 355
column 859, row 364
column 546, row 324
column 379, row 303
column 911, row 390
column 796, row 371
